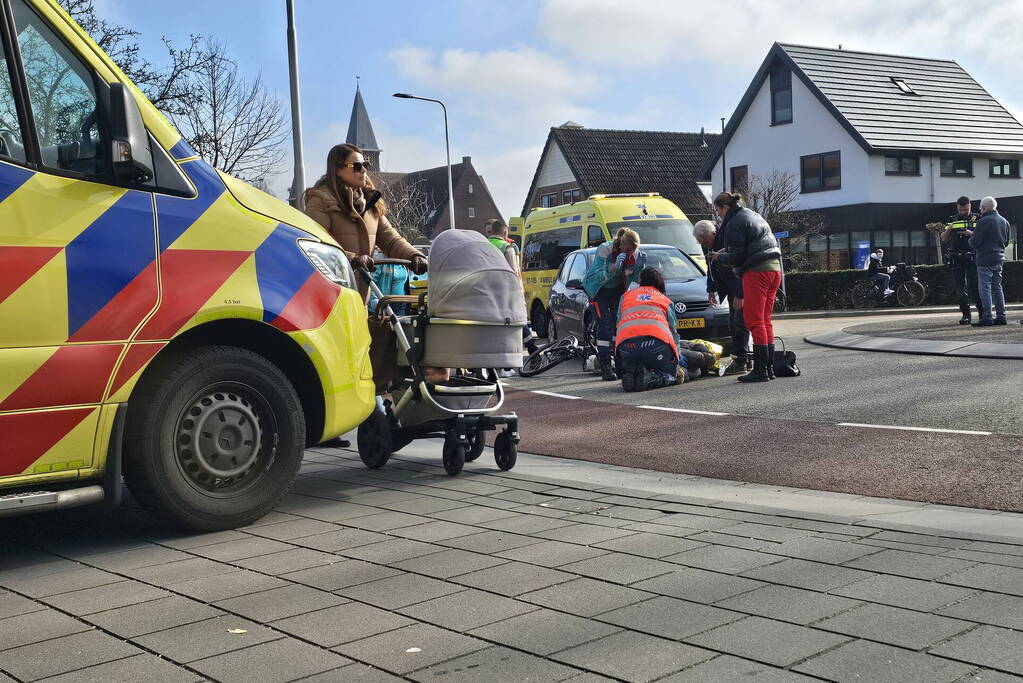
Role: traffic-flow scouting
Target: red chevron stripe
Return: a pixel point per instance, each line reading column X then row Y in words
column 310, row 306
column 27, row 436
column 72, row 375
column 122, row 314
column 18, row 264
column 190, row 277
column 137, row 356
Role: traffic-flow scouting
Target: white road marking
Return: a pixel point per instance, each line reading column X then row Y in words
column 684, row 410
column 916, row 429
column 551, row 393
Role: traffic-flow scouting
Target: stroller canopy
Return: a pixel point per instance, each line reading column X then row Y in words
column 471, row 280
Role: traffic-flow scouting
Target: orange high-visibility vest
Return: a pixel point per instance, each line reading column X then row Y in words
column 644, row 312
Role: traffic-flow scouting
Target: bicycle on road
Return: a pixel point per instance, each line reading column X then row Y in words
column 906, row 288
column 554, row 354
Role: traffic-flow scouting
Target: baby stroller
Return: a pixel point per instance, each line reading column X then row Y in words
column 471, row 317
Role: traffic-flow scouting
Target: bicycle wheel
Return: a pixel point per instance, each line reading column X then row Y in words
column 547, row 357
column 910, row 293
column 862, row 294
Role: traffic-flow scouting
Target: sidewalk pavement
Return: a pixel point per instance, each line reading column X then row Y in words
column 865, row 312
column 551, row 572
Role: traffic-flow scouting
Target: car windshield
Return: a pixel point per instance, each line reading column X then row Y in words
column 672, row 263
column 674, row 231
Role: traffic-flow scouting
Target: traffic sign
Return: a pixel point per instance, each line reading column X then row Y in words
column 782, row 234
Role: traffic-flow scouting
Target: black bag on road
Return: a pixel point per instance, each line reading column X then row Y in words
column 785, row 362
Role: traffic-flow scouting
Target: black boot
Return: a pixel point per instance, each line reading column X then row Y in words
column 531, row 347
column 607, row 373
column 769, row 361
column 759, row 372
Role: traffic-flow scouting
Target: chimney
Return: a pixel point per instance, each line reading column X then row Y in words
column 703, row 137
column 467, row 161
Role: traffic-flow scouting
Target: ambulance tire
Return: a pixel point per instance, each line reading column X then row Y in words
column 214, row 438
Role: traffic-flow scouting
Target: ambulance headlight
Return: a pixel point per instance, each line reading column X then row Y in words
column 330, row 261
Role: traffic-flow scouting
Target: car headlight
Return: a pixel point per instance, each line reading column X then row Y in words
column 330, row 261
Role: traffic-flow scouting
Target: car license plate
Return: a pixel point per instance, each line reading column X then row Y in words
column 691, row 322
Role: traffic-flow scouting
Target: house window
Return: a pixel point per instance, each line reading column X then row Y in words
column 470, row 188
column 1004, row 168
column 548, row 200
column 781, row 94
column 472, row 212
column 569, row 196
column 740, row 177
column 903, row 87
column 957, row 166
column 902, row 165
column 819, row 172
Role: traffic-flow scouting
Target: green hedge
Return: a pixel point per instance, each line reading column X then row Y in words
column 817, row 290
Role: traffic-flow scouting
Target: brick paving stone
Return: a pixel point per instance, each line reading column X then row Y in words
column 990, row 646
column 12, row 604
column 280, row 603
column 986, row 547
column 988, row 608
column 384, row 521
column 620, row 568
column 582, row 534
column 177, row 572
column 277, row 661
column 633, row 656
column 224, row 586
column 919, row 539
column 810, row 575
column 788, row 604
column 633, row 514
column 471, row 515
column 338, row 511
column 495, row 664
column 600, row 519
column 861, row 660
column 985, row 558
column 448, row 563
column 823, row 550
column 661, row 529
column 60, row 655
column 551, row 553
column 768, row 532
column 298, row 528
column 989, row 577
column 341, row 624
column 525, row 524
column 698, row 585
column 135, row 558
column 586, row 597
column 989, row 676
column 288, row 561
column 342, row 539
column 727, row 540
column 649, row 545
column 729, row 668
column 61, row 582
column 544, row 511
column 143, row 668
column 913, row 565
column 353, row 673
column 894, row 626
column 513, row 578
column 832, row 527
column 332, row 577
column 468, row 485
column 766, row 640
column 240, row 549
column 395, row 550
column 156, row 615
column 908, row 547
column 466, row 610
column 188, row 541
column 35, row 627
column 424, row 505
column 109, row 596
column 670, row 617
column 391, row 650
column 697, row 522
column 491, row 542
column 20, row 565
column 544, row 631
column 899, row 591
column 437, row 530
column 487, row 501
column 723, row 559
column 202, row 639
column 531, row 498
column 399, row 591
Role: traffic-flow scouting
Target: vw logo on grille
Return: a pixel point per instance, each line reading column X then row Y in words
column 679, row 306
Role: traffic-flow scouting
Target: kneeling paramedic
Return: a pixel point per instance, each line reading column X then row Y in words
column 616, row 266
column 646, row 343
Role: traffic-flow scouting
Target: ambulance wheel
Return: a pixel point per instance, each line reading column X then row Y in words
column 454, row 454
column 505, row 451
column 477, row 442
column 214, row 438
column 375, row 441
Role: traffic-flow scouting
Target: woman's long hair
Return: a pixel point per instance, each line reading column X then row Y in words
column 624, row 234
column 330, row 182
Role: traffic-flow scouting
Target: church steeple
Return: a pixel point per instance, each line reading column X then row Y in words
column 360, row 130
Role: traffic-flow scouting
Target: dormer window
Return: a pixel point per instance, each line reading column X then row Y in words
column 903, row 87
column 781, row 94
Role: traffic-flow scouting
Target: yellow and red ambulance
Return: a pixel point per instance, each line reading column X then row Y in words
column 158, row 318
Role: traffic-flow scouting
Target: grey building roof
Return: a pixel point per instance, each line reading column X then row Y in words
column 360, row 130
column 950, row 111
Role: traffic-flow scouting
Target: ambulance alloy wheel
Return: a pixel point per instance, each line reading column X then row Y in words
column 214, row 438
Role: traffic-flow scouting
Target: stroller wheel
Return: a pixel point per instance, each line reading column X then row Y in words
column 505, row 451
column 454, row 454
column 375, row 441
column 477, row 443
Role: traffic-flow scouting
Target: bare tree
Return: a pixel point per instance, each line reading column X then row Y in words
column 410, row 207
column 774, row 197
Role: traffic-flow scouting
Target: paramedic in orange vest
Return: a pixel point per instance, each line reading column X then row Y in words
column 646, row 342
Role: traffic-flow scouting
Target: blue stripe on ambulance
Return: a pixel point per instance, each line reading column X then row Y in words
column 281, row 269
column 11, row 178
column 183, row 150
column 177, row 214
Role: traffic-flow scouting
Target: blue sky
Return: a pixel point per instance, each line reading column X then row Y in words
column 509, row 70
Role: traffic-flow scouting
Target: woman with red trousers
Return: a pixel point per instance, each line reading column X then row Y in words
column 752, row 250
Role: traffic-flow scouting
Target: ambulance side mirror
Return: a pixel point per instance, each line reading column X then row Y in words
column 132, row 157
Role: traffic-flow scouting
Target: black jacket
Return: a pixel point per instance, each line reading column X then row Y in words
column 959, row 243
column 722, row 279
column 748, row 242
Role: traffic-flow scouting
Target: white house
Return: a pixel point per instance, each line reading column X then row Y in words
column 880, row 145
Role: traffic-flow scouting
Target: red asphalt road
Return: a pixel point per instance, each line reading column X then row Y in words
column 952, row 469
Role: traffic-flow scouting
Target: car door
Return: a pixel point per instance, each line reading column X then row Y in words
column 558, row 299
column 576, row 298
column 77, row 253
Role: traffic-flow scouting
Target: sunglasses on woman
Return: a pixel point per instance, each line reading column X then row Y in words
column 358, row 166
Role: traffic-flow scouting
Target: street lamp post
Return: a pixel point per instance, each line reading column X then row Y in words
column 298, row 181
column 447, row 149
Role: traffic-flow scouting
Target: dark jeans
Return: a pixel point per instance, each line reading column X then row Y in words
column 738, row 329
column 881, row 281
column 650, row 353
column 607, row 299
column 964, row 275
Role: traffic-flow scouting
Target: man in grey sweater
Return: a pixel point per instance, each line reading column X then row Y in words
column 989, row 240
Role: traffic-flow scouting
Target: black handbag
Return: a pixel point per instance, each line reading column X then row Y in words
column 785, row 361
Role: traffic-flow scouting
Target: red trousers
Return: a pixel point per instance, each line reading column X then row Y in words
column 759, row 288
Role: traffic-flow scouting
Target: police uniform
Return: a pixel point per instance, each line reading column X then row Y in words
column 960, row 257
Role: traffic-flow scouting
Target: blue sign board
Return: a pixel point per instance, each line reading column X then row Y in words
column 862, row 254
column 781, row 234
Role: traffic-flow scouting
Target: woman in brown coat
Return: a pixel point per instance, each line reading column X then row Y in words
column 338, row 203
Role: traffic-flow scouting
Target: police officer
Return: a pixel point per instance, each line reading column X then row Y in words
column 959, row 255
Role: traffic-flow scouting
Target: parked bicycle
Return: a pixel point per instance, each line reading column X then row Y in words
column 905, row 287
